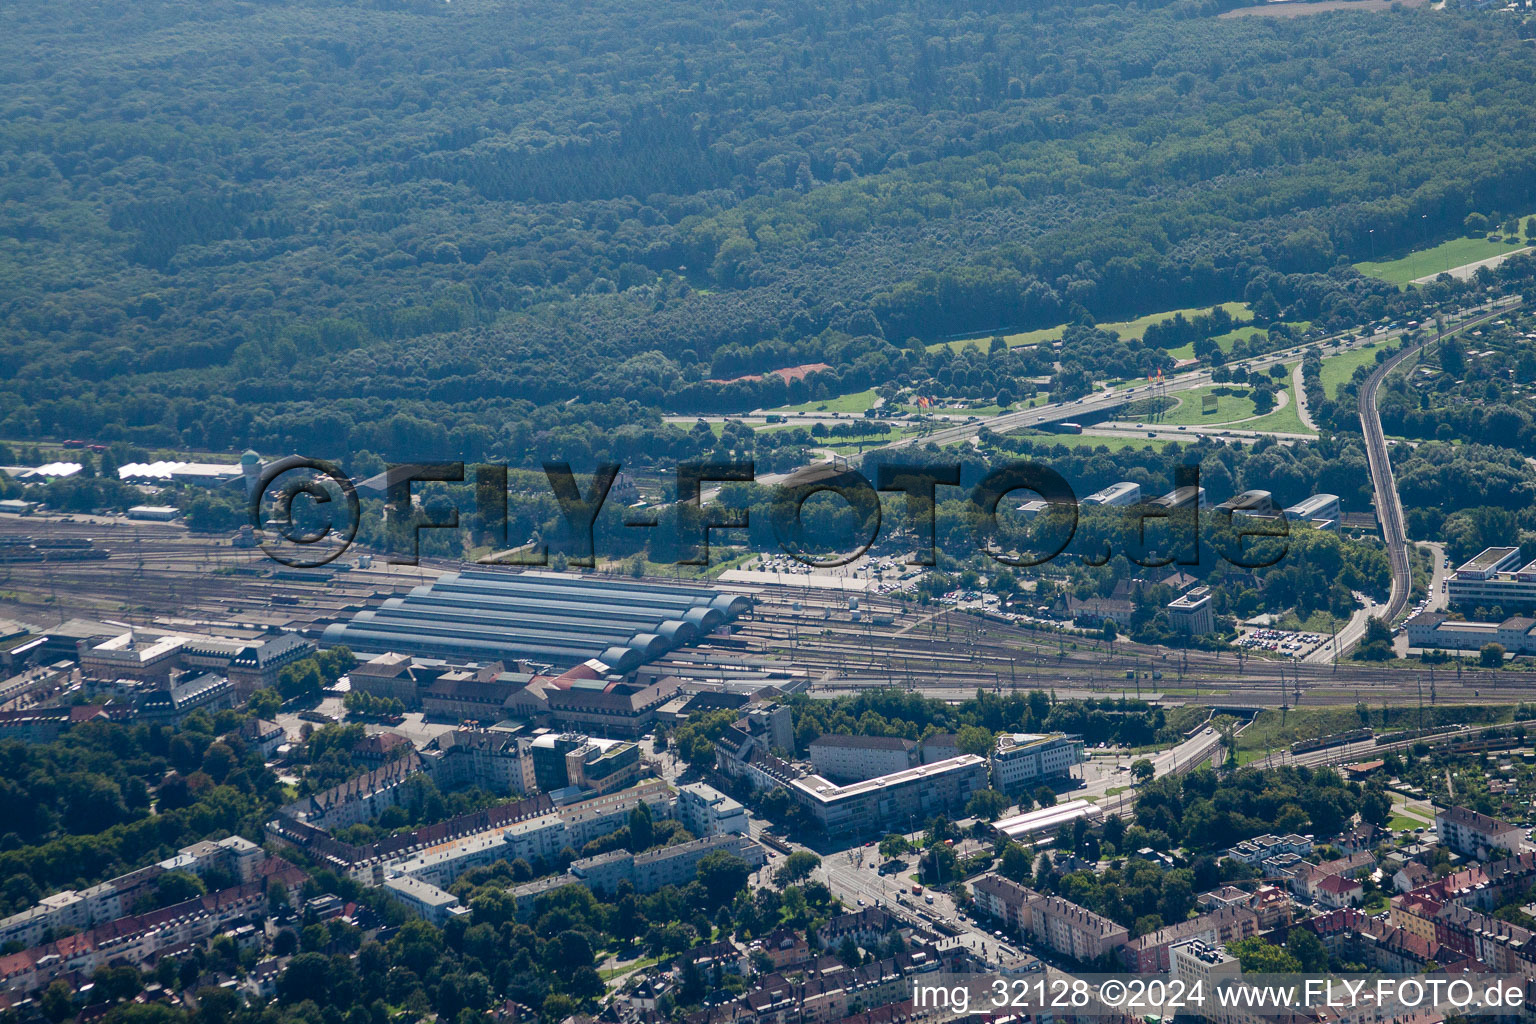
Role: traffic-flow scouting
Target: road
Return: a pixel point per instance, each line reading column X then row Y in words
column 1101, row 401
column 1389, row 509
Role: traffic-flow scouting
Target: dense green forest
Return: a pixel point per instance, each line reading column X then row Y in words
column 433, row 230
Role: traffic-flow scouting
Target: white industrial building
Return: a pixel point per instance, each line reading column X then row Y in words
column 1046, row 820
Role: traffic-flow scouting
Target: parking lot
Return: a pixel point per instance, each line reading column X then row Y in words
column 1280, row 641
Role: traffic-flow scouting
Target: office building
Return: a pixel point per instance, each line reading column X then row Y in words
column 1021, row 761
column 1181, row 498
column 130, row 656
column 256, row 665
column 1195, row 961
column 185, row 693
column 902, row 799
column 561, row 760
column 1438, row 631
column 1321, row 511
column 1193, row 613
column 1490, row 579
column 1251, row 502
column 1116, row 495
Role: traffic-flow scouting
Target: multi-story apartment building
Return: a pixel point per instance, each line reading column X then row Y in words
column 1004, row 901
column 1149, row 953
column 1072, row 930
column 487, row 758
column 1254, row 852
column 670, row 865
column 844, row 758
column 138, row 939
column 72, row 910
column 705, row 811
column 1477, row 835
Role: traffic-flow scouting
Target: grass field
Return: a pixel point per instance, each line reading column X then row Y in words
column 1191, row 408
column 1114, row 444
column 856, row 402
column 1284, row 421
column 1445, row 256
column 840, row 443
column 1337, row 370
column 1318, row 622
column 1125, row 328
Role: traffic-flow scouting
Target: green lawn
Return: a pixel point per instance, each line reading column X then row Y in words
column 1318, row 622
column 1113, row 444
column 839, row 443
column 1283, row 421
column 856, row 402
column 1125, row 328
column 1445, row 256
column 1191, row 408
column 1337, row 370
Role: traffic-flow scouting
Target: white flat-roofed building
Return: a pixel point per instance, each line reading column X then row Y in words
column 1020, row 760
column 1250, row 502
column 845, row 758
column 1116, row 495
column 1197, row 961
column 1438, row 631
column 424, row 899
column 902, row 798
column 1180, row 498
column 705, row 811
column 1046, row 820
column 1488, row 563
column 155, row 513
column 1490, row 580
column 1321, row 510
